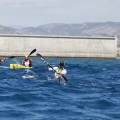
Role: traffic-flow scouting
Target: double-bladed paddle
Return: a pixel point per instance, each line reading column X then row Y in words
column 41, row 57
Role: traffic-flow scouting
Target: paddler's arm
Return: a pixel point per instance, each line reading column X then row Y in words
column 50, row 69
column 30, row 65
column 64, row 72
column 23, row 62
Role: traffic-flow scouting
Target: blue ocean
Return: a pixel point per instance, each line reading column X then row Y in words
column 92, row 93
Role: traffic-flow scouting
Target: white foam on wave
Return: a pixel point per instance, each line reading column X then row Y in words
column 51, row 78
column 28, row 76
column 4, row 67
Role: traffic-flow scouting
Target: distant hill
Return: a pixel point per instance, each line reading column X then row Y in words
column 61, row 29
column 7, row 30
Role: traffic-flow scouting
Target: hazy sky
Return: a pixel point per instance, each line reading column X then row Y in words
column 37, row 12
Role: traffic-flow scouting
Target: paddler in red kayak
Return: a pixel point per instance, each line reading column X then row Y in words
column 2, row 60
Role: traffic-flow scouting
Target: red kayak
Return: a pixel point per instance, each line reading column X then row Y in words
column 1, row 60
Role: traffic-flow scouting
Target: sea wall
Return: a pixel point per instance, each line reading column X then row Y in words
column 59, row 46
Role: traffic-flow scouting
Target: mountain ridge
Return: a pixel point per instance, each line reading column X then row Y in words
column 64, row 29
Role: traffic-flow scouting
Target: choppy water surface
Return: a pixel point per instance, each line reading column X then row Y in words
column 93, row 91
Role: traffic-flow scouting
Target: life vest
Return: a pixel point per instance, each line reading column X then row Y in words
column 57, row 70
column 27, row 63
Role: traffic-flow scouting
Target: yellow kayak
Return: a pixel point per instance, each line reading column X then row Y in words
column 16, row 66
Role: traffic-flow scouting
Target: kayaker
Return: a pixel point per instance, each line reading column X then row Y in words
column 2, row 60
column 60, row 70
column 27, row 62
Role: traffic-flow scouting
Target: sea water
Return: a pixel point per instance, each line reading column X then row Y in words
column 92, row 93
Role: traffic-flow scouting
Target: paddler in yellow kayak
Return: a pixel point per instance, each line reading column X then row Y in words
column 59, row 70
column 27, row 62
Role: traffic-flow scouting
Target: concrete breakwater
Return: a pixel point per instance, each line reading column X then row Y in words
column 59, row 46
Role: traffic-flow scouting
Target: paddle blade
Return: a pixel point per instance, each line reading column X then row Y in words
column 38, row 55
column 11, row 57
column 34, row 50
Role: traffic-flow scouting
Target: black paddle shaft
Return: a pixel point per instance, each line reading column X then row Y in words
column 9, row 57
column 41, row 57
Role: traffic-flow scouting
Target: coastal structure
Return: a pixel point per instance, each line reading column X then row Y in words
column 59, row 46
